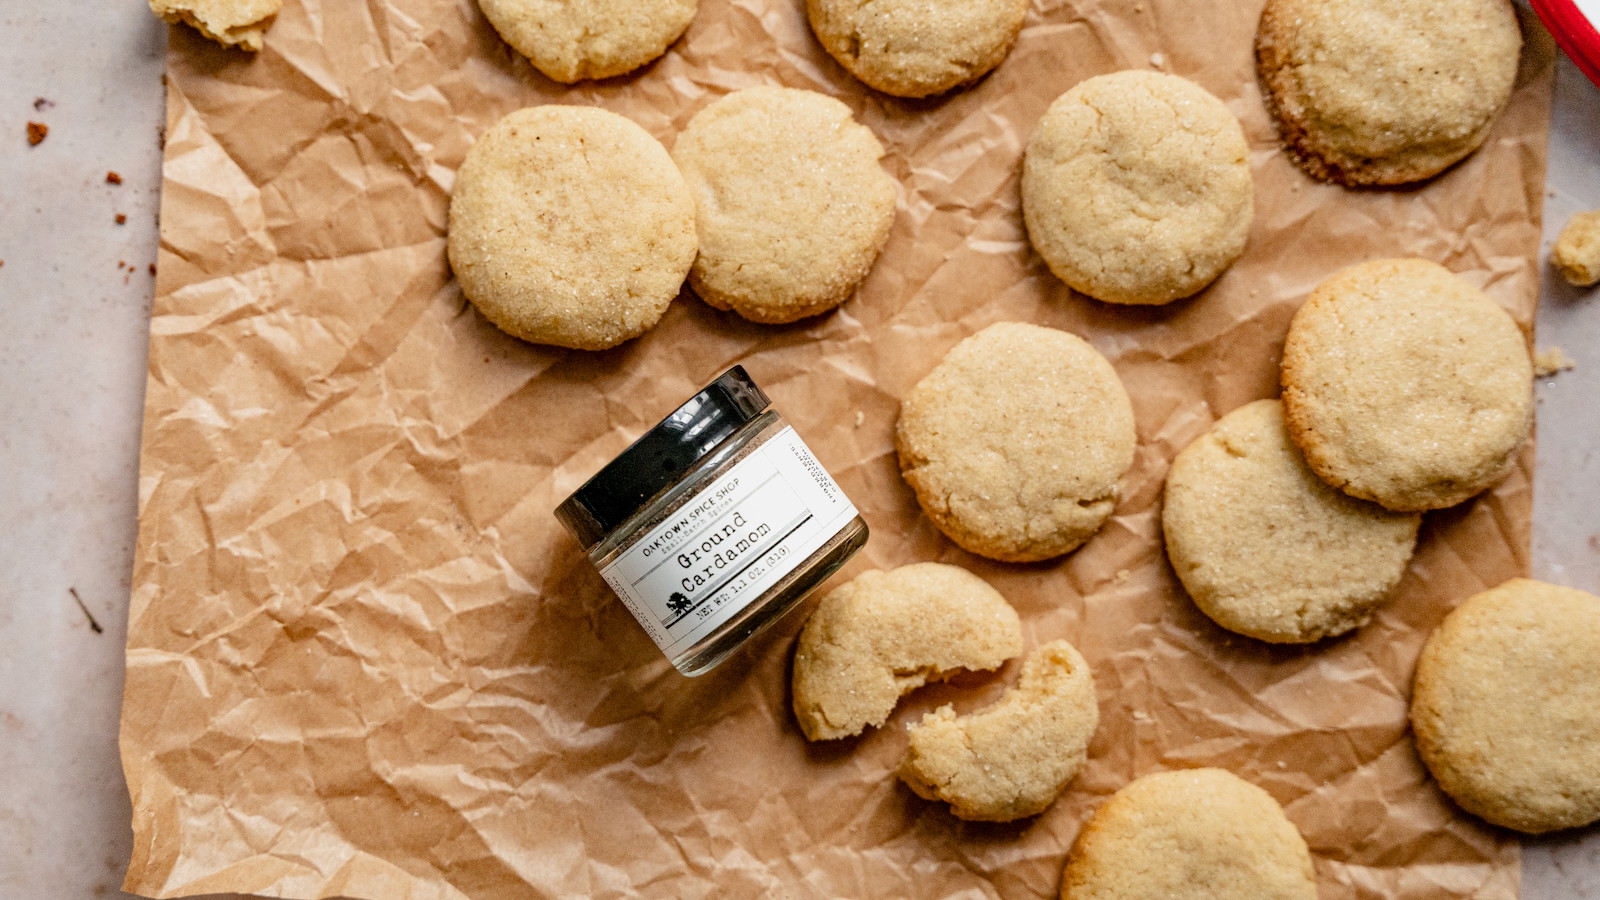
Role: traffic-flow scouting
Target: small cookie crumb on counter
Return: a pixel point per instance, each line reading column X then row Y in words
column 37, row 132
column 1550, row 361
column 121, row 219
column 113, row 178
column 1576, row 254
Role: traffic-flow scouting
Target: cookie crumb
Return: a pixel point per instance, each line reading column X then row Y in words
column 152, row 269
column 122, row 219
column 1576, row 254
column 37, row 132
column 113, row 178
column 1550, row 361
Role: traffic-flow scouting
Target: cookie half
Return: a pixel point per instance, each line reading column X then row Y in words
column 232, row 23
column 1371, row 92
column 911, row 48
column 1013, row 759
column 1268, row 549
column 1506, row 708
column 792, row 204
column 570, row 226
column 1016, row 442
column 1199, row 834
column 593, row 39
column 884, row 634
column 1405, row 385
column 1136, row 188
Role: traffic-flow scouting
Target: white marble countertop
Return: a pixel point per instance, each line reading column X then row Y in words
column 75, row 292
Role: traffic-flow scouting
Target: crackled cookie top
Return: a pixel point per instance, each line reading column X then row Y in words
column 1013, row 759
column 1385, row 91
column 792, row 204
column 884, row 634
column 1268, row 549
column 1136, row 188
column 913, row 48
column 1015, row 443
column 570, row 226
column 592, row 39
column 1507, row 706
column 1405, row 385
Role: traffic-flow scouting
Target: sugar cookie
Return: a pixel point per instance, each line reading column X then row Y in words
column 593, row 39
column 1405, row 385
column 1197, row 834
column 232, row 23
column 1136, row 188
column 1385, row 91
column 1013, row 759
column 570, row 226
column 1015, row 443
column 1264, row 546
column 1506, row 708
column 911, row 48
column 792, row 205
column 884, row 634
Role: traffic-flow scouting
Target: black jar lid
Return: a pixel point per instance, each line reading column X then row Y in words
column 661, row 455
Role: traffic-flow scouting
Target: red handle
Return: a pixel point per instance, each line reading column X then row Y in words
column 1574, row 32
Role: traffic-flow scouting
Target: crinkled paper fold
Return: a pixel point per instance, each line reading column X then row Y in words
column 365, row 660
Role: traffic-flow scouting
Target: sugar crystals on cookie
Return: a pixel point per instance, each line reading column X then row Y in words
column 910, row 48
column 1506, row 708
column 1016, row 443
column 570, row 226
column 1264, row 546
column 884, row 634
column 1405, row 385
column 1013, row 759
column 792, row 204
column 593, row 39
column 1136, row 188
column 1371, row 92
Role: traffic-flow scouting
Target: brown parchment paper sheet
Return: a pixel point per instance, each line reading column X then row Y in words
column 365, row 660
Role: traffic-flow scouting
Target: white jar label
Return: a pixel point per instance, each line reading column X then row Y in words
column 729, row 543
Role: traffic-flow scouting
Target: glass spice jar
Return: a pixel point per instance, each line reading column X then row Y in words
column 714, row 524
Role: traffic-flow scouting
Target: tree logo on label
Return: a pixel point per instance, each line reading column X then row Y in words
column 677, row 604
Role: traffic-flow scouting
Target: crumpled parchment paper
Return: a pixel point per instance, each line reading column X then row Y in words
column 364, row 659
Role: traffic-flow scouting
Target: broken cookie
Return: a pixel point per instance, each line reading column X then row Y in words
column 232, row 23
column 884, row 634
column 1013, row 759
